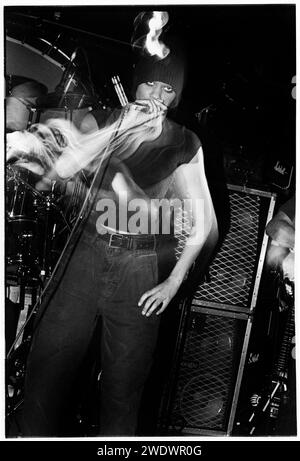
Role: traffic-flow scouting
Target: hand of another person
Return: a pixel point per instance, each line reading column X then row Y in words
column 288, row 267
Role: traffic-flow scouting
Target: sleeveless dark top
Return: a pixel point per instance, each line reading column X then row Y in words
column 156, row 160
column 153, row 163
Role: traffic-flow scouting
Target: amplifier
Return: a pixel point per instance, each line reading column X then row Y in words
column 202, row 393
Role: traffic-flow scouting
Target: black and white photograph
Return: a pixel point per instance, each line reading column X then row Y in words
column 149, row 223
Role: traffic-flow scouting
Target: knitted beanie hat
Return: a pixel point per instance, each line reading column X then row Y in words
column 169, row 70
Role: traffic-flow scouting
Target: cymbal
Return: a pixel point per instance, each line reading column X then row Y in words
column 68, row 101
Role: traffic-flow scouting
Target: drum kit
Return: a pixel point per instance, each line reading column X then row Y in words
column 32, row 215
column 41, row 83
column 38, row 219
column 34, row 219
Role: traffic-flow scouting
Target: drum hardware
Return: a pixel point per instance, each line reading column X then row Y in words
column 29, row 263
column 49, row 211
column 69, row 101
column 21, row 223
column 31, row 224
column 31, row 251
column 68, row 75
column 28, row 293
column 15, row 374
column 31, row 109
column 53, row 45
column 70, row 110
column 30, row 276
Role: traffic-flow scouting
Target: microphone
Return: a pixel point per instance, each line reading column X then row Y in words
column 141, row 107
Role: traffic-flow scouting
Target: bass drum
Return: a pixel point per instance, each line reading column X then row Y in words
column 23, row 239
column 34, row 69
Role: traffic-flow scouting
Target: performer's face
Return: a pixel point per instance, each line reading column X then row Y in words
column 157, row 90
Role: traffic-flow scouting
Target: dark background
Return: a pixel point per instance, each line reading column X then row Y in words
column 256, row 42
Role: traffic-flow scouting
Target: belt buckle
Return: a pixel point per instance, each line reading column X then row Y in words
column 120, row 237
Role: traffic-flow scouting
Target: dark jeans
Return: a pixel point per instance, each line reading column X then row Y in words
column 99, row 281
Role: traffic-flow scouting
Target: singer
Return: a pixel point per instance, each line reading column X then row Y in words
column 125, row 279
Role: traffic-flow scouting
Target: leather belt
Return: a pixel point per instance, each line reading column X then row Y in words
column 130, row 242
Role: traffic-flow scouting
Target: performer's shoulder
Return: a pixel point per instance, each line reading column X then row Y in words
column 190, row 136
column 188, row 141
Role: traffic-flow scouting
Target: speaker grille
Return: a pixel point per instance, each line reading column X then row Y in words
column 202, row 393
column 231, row 272
column 208, row 369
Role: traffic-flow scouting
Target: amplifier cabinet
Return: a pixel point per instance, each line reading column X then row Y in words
column 202, row 393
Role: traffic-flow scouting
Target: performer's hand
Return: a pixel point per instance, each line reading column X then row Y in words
column 288, row 267
column 159, row 297
column 152, row 106
column 143, row 111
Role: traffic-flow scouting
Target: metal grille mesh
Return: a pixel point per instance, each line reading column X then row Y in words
column 207, row 372
column 231, row 272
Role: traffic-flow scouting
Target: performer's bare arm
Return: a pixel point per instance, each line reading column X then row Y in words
column 84, row 148
column 135, row 121
column 191, row 182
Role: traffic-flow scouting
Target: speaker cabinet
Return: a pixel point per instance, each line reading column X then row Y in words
column 202, row 393
column 234, row 274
